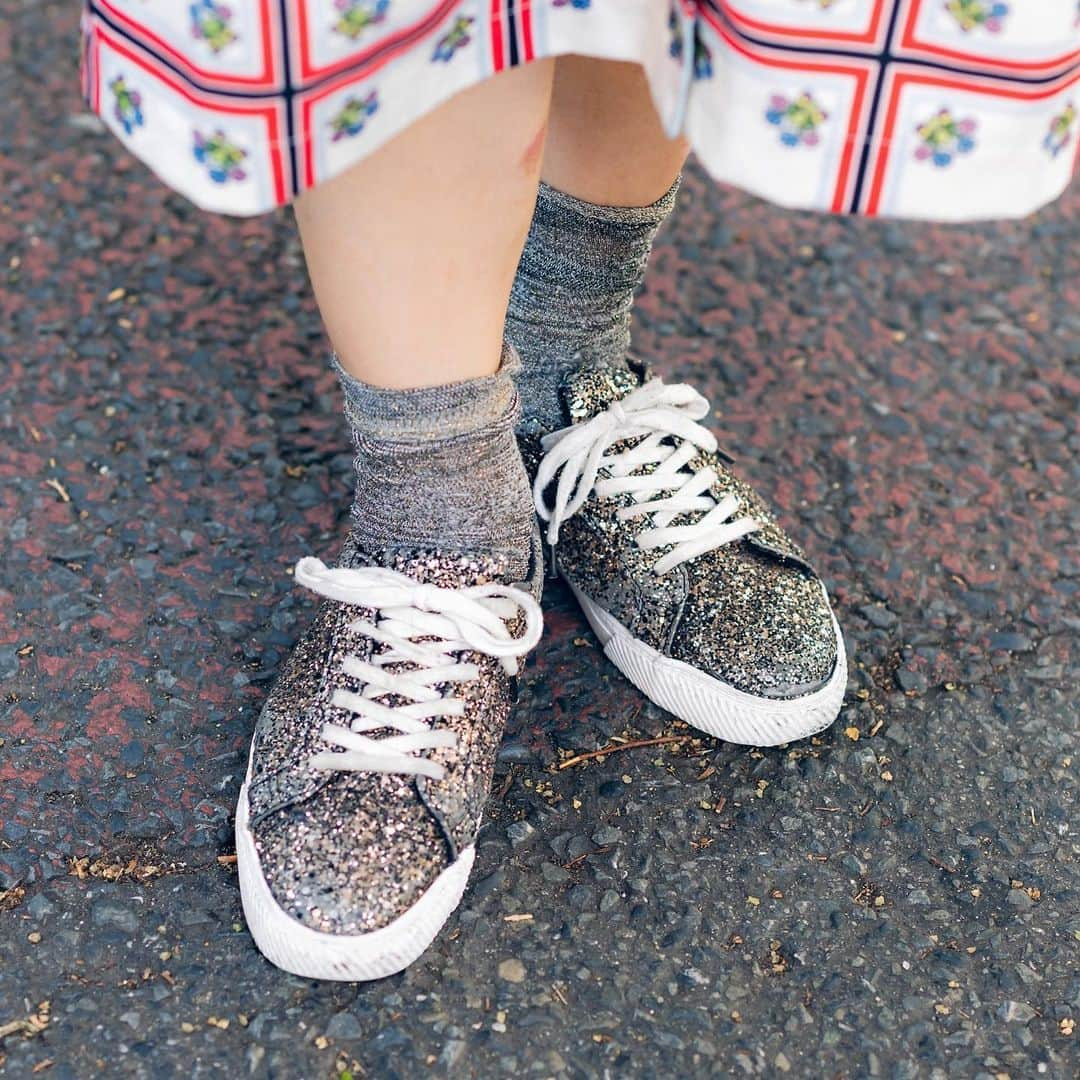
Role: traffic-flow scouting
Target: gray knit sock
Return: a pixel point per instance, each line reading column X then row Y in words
column 439, row 468
column 574, row 289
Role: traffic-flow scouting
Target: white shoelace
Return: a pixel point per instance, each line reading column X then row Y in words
column 473, row 618
column 658, row 412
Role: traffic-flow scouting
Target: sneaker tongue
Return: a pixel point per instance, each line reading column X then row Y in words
column 591, row 389
column 447, row 570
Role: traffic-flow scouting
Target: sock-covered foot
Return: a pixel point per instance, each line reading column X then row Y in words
column 372, row 759
column 697, row 594
column 573, row 293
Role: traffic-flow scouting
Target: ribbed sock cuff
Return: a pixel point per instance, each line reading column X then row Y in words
column 431, row 411
column 438, row 468
column 653, row 214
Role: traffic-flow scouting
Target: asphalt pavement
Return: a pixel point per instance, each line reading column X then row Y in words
column 898, row 898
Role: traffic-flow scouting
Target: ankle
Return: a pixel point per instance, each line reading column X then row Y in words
column 439, row 468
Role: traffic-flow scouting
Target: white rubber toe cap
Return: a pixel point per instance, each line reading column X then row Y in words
column 709, row 704
column 346, row 957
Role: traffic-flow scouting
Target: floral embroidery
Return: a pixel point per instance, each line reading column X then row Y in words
column 797, row 118
column 971, row 14
column 210, row 23
column 1061, row 131
column 222, row 158
column 703, row 68
column 357, row 15
column 354, row 115
column 675, row 30
column 457, row 37
column 127, row 107
column 943, row 137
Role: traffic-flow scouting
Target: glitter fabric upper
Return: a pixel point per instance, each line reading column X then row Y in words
column 752, row 613
column 348, row 852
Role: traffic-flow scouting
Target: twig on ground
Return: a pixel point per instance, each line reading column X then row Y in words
column 580, row 858
column 634, row 744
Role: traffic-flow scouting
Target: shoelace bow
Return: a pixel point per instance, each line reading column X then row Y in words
column 472, row 618
column 665, row 419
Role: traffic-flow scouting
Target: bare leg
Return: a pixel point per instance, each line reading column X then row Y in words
column 413, row 251
column 411, row 255
column 605, row 142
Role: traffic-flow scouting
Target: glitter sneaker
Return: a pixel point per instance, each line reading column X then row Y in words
column 695, row 592
column 373, row 756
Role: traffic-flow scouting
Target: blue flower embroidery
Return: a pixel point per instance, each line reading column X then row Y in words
column 210, row 23
column 355, row 16
column 457, row 37
column 127, row 105
column 223, row 159
column 354, row 115
column 703, row 68
column 1061, row 131
column 799, row 119
column 943, row 137
column 972, row 14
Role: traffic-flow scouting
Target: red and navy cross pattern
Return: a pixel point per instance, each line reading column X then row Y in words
column 882, row 51
column 511, row 31
column 884, row 55
column 290, row 70
column 125, row 21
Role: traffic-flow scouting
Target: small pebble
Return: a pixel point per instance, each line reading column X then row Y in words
column 512, row 970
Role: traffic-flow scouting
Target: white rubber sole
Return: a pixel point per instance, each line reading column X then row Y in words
column 347, row 958
column 708, row 704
